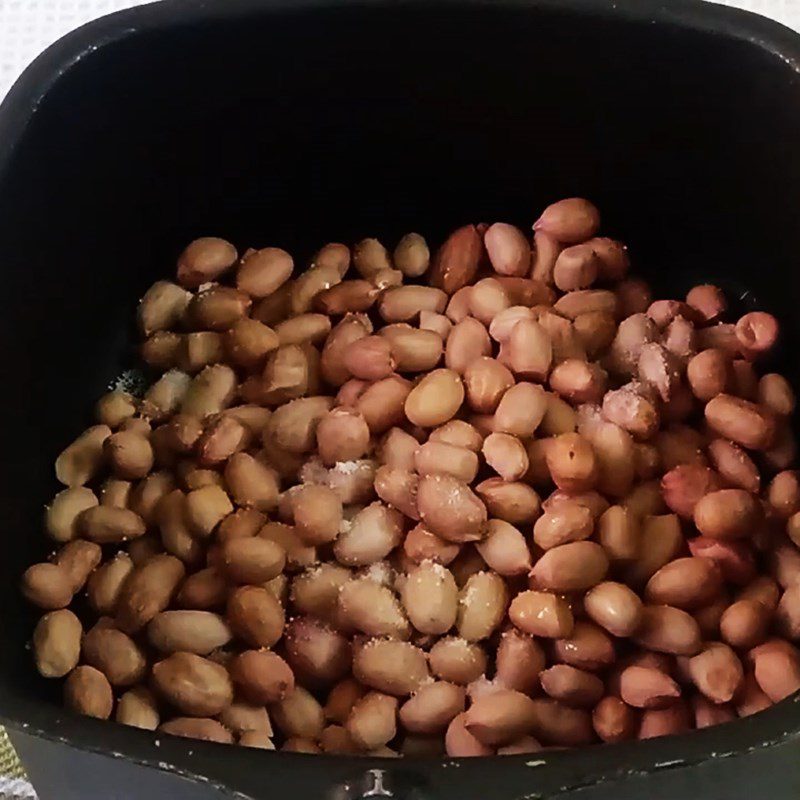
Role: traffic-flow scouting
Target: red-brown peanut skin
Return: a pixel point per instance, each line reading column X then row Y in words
column 430, row 598
column 502, row 323
column 506, row 455
column 263, row 271
column 457, row 260
column 685, row 583
column 263, row 676
column 411, row 255
column 668, row 630
column 298, row 715
column 372, row 534
column 578, row 381
column 399, row 488
column 404, row 303
column 458, row 433
column 147, row 591
column 371, row 608
column 486, row 380
column 734, row 557
column 392, row 667
column 255, row 616
column 541, row 614
column 115, row 654
column 660, row 541
column 569, row 221
column 435, row 399
column 88, row 692
column 455, row 660
column 373, row 720
column 432, row 708
column 632, row 411
column 717, row 672
column 543, row 257
column 369, row 358
column 573, row 686
column 318, row 654
column 685, row 485
column 576, row 566
column 741, row 421
column 708, row 300
column 487, row 299
column 787, row 614
column 421, row 545
column 382, row 403
column 508, row 250
column 644, row 687
column 519, row 661
column 557, row 724
column 521, row 410
column 751, row 699
column 775, row 393
column 777, row 671
column 193, row 685
column 709, row 374
column 514, row 502
column 251, row 560
column 529, row 351
column 588, row 646
column 783, row 494
column 342, row 435
column 619, row 532
column 459, row 742
column 615, row 607
column 572, row 464
column 665, row 721
column 341, row 699
column 615, row 456
column 727, row 514
column 614, row 721
column 745, row 623
column 451, row 509
column 398, row 449
column 707, row 713
column 458, row 306
column 757, row 332
column 504, row 549
column 439, row 457
column 522, row 746
column 576, row 268
column 482, row 605
column 466, row 564
column 500, row 717
column 468, row 340
column 57, row 643
column 317, row 514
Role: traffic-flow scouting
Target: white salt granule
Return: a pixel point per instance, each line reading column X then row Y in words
column 345, row 525
column 131, row 381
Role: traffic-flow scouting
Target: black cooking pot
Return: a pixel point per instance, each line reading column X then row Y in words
column 292, row 123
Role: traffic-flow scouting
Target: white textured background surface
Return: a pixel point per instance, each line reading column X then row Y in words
column 28, row 26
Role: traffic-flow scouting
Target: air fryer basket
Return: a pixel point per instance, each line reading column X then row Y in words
column 293, row 122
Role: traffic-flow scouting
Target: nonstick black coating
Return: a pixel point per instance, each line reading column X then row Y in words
column 293, row 123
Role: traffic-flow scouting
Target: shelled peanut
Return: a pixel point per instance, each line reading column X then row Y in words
column 488, row 502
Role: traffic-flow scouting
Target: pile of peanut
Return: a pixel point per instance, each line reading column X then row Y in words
column 509, row 505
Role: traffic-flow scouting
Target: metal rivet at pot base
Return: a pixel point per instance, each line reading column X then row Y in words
column 373, row 783
column 680, row 120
